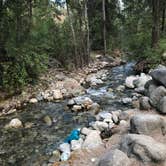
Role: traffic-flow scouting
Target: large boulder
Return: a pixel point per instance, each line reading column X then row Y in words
column 114, row 158
column 143, row 147
column 150, row 86
column 148, row 124
column 162, row 105
column 92, row 140
column 159, row 75
column 156, row 95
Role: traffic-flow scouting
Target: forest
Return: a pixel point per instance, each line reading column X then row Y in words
column 34, row 31
column 82, row 82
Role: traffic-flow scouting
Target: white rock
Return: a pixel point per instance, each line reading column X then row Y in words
column 126, row 100
column 76, row 144
column 33, row 100
column 104, row 115
column 100, row 125
column 123, row 123
column 15, row 123
column 65, row 147
column 65, row 156
column 129, row 81
column 108, row 120
column 71, row 102
column 86, row 131
column 57, row 94
column 76, row 108
column 92, row 140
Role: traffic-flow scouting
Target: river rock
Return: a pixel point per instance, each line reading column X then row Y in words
column 149, row 87
column 76, row 108
column 101, row 126
column 92, row 140
column 86, row 131
column 127, row 100
column 115, row 118
column 57, row 94
column 15, row 123
column 148, row 124
column 162, row 105
column 65, row 147
column 145, row 103
column 33, row 100
column 120, row 88
column 156, row 95
column 143, row 147
column 159, row 75
column 95, row 108
column 55, row 157
column 104, row 115
column 142, row 80
column 115, row 158
column 65, row 156
column 47, row 120
column 129, row 81
column 71, row 102
column 76, row 144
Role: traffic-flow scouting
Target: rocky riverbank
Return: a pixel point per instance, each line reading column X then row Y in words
column 57, row 84
column 132, row 138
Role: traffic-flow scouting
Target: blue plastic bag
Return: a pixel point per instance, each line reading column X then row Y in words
column 75, row 135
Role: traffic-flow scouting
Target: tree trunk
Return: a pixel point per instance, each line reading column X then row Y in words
column 156, row 19
column 104, row 27
column 73, row 34
column 87, row 33
column 163, row 17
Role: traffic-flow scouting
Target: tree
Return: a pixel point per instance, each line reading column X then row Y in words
column 156, row 22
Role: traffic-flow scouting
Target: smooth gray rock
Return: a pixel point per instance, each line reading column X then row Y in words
column 143, row 147
column 156, row 95
column 114, row 158
column 162, row 105
column 145, row 103
column 92, row 140
column 147, row 124
column 159, row 75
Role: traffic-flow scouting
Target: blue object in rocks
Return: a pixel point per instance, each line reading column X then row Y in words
column 75, row 135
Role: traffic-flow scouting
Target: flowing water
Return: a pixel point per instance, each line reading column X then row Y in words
column 33, row 146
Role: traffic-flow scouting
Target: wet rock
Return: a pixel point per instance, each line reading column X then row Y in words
column 148, row 124
column 92, row 140
column 120, row 88
column 95, row 108
column 71, row 102
column 100, row 125
column 156, row 95
column 115, row 158
column 47, row 120
column 159, row 75
column 126, row 100
column 55, row 157
column 65, row 147
column 76, row 108
column 143, row 147
column 15, row 123
column 162, row 105
column 76, row 144
column 65, row 156
column 142, row 80
column 145, row 103
column 33, row 100
column 149, row 87
column 129, row 81
column 87, row 102
column 104, row 115
column 57, row 95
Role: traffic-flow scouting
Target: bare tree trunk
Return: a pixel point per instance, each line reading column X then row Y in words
column 104, row 28
column 156, row 19
column 87, row 33
column 73, row 34
column 163, row 17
